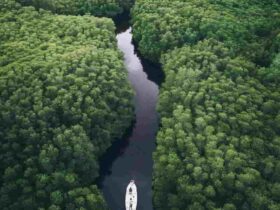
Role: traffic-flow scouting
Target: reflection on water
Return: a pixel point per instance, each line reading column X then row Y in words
column 131, row 158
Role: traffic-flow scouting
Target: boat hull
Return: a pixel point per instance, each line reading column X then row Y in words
column 131, row 196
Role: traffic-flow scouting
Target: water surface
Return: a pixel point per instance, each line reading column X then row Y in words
column 131, row 157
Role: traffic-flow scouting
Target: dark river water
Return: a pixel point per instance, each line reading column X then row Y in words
column 131, row 157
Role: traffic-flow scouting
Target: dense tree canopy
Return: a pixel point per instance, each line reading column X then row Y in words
column 75, row 7
column 64, row 97
column 246, row 26
column 219, row 143
column 272, row 74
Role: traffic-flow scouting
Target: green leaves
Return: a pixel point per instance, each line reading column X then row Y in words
column 245, row 27
column 108, row 8
column 218, row 119
column 60, row 108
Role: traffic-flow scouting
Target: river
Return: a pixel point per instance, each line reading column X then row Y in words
column 131, row 157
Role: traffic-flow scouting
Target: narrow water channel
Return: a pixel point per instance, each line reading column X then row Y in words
column 131, row 157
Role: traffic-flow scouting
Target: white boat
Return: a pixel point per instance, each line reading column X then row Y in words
column 131, row 196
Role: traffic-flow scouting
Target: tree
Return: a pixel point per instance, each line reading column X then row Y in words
column 58, row 115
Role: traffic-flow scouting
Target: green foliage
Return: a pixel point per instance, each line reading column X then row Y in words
column 64, row 98
column 271, row 74
column 108, row 8
column 219, row 144
column 246, row 27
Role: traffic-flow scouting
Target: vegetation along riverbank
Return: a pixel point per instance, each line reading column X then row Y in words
column 65, row 97
column 218, row 147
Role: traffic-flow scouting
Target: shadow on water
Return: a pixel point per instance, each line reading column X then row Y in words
column 131, row 156
column 116, row 150
column 122, row 22
column 153, row 70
